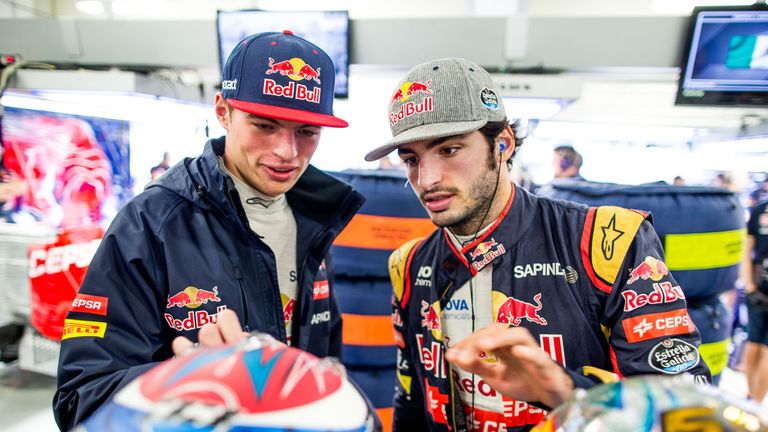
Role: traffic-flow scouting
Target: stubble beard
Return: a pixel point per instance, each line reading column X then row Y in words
column 481, row 193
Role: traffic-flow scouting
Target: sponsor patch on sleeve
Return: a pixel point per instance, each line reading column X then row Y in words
column 673, row 356
column 90, row 304
column 80, row 328
column 608, row 234
column 398, row 265
column 320, row 290
column 657, row 325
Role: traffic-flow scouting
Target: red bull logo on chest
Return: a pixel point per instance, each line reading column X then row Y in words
column 297, row 70
column 193, row 297
column 431, row 317
column 512, row 311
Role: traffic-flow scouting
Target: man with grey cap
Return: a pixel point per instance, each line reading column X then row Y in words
column 526, row 298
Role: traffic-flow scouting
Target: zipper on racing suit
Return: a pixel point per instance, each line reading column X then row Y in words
column 451, row 401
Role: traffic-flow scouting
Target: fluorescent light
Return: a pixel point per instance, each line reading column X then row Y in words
column 90, row 7
column 533, row 108
column 141, row 7
column 685, row 7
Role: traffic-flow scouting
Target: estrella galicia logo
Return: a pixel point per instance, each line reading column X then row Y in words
column 672, row 356
column 489, row 98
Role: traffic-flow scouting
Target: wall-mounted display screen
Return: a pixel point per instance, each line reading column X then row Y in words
column 327, row 29
column 725, row 61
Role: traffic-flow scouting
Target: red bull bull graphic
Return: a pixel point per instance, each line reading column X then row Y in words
column 485, row 252
column 651, row 268
column 408, row 89
column 512, row 311
column 193, row 297
column 297, row 70
column 194, row 319
column 430, row 318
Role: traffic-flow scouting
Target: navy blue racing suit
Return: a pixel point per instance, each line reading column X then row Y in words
column 590, row 284
column 178, row 254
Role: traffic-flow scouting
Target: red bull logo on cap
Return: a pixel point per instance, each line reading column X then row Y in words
column 509, row 310
column 409, row 108
column 193, row 297
column 485, row 252
column 430, row 318
column 408, row 89
column 297, row 70
column 651, row 268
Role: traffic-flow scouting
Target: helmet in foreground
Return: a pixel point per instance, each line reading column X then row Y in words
column 255, row 385
column 655, row 403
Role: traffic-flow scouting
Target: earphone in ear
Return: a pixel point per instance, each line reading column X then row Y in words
column 502, row 146
column 565, row 162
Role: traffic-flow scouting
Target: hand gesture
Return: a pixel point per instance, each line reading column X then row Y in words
column 522, row 370
column 225, row 330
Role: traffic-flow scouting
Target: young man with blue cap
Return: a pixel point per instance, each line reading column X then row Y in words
column 231, row 241
column 515, row 300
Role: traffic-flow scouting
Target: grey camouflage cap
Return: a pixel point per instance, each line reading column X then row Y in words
column 440, row 98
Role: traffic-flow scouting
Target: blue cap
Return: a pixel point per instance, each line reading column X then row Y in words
column 281, row 76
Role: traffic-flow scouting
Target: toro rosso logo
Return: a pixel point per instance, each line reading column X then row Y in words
column 193, row 297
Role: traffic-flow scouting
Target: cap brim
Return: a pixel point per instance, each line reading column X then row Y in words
column 289, row 114
column 424, row 132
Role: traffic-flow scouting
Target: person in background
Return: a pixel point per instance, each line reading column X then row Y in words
column 566, row 163
column 164, row 165
column 515, row 300
column 11, row 187
column 231, row 241
column 759, row 194
column 722, row 180
column 678, row 181
column 754, row 274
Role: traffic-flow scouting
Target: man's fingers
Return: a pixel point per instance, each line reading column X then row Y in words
column 181, row 346
column 468, row 361
column 210, row 335
column 229, row 326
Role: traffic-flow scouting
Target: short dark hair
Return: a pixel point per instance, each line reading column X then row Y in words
column 491, row 131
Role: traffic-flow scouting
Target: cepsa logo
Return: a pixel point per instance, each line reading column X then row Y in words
column 60, row 258
column 656, row 325
column 90, row 304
